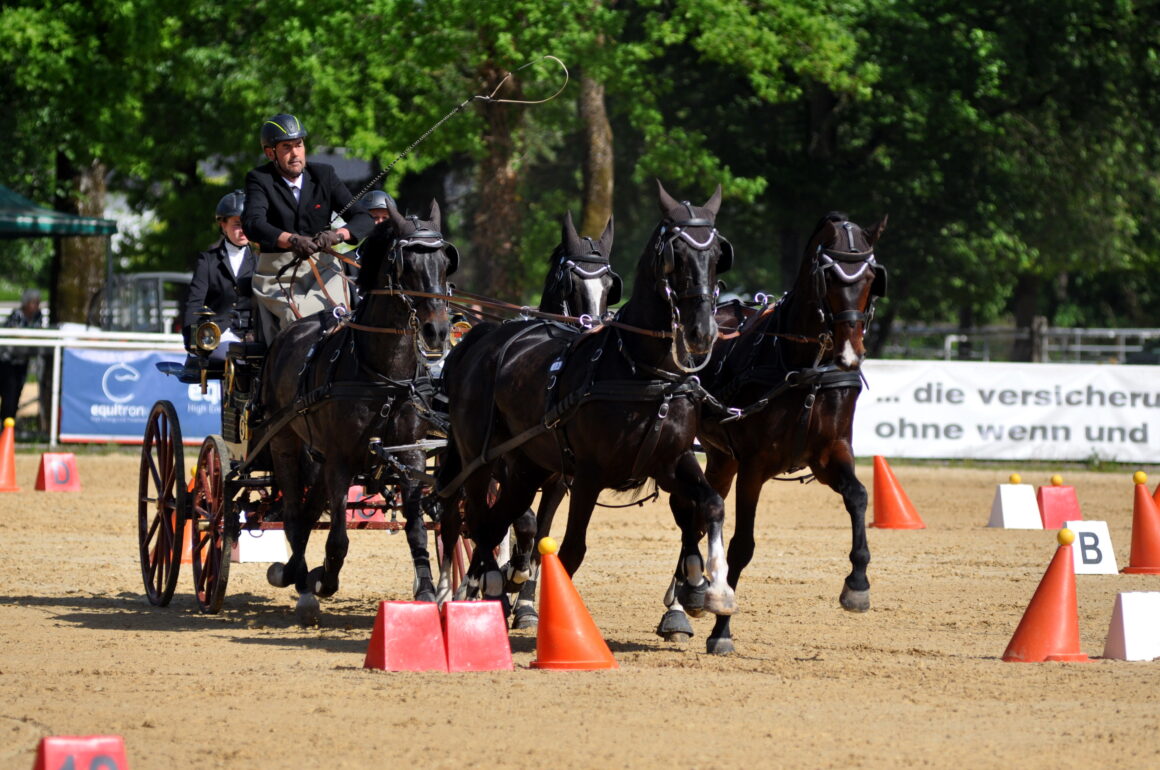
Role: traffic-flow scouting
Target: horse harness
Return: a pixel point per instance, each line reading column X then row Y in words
column 663, row 388
column 780, row 378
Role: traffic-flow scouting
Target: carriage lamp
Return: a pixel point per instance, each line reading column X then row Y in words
column 207, row 336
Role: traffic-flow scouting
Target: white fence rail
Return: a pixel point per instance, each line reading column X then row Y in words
column 56, row 340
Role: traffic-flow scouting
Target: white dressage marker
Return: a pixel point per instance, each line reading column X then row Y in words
column 1015, row 507
column 1134, row 633
column 1092, row 552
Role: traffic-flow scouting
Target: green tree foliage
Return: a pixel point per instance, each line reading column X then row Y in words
column 1012, row 145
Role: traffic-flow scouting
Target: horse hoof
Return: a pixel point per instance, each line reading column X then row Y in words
column 855, row 601
column 425, row 594
column 276, row 575
column 525, row 616
column 307, row 610
column 323, row 583
column 719, row 645
column 692, row 598
column 675, row 627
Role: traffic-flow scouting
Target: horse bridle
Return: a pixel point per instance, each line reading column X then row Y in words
column 836, row 262
column 667, row 236
column 666, row 259
column 568, row 266
column 426, row 241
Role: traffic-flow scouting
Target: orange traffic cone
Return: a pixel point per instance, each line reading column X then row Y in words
column 892, row 508
column 1049, row 629
column 8, row 457
column 567, row 638
column 1145, row 558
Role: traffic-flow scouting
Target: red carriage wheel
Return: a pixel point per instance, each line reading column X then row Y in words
column 214, row 523
column 161, row 503
column 460, row 558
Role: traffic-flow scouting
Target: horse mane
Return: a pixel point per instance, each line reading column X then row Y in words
column 372, row 252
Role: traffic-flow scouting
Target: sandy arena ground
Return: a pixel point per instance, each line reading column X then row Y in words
column 917, row 681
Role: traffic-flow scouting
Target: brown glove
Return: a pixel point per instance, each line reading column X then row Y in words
column 302, row 247
column 327, row 238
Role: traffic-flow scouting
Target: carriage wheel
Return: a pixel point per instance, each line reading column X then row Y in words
column 214, row 524
column 161, row 503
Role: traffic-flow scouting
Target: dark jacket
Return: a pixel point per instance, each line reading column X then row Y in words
column 215, row 286
column 271, row 209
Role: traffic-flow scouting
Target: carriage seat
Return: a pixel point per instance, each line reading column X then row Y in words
column 246, row 350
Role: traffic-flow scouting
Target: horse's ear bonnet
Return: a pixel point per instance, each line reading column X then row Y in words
column 725, row 261
column 878, row 287
column 617, row 288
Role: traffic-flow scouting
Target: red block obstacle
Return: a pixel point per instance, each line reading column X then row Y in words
column 1057, row 504
column 408, row 636
column 476, row 636
column 85, row 751
column 58, row 473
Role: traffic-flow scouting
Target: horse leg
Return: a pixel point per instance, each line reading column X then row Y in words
column 525, row 615
column 580, row 507
column 324, row 580
column 423, row 587
column 855, row 595
column 741, row 546
column 719, row 598
column 289, row 483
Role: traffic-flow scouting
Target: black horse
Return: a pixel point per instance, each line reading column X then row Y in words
column 362, row 379
column 791, row 377
column 580, row 284
column 611, row 408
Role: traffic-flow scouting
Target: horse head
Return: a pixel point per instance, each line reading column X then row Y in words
column 581, row 281
column 406, row 259
column 841, row 276
column 687, row 255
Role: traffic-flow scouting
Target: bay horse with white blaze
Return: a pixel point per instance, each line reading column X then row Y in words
column 363, row 379
column 790, row 379
column 611, row 408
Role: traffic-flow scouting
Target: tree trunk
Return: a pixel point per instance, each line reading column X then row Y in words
column 78, row 268
column 598, row 163
column 496, row 228
column 1026, row 304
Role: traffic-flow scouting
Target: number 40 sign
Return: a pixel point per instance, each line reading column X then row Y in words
column 86, row 752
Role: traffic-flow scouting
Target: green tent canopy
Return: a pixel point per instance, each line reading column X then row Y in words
column 21, row 218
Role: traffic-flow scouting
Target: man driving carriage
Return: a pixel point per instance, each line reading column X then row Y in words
column 289, row 206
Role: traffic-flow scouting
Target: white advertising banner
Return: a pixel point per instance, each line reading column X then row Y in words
column 1002, row 411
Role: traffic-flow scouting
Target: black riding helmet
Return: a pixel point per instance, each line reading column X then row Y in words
column 281, row 128
column 377, row 199
column 230, row 205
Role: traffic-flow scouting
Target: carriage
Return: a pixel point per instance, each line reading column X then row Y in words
column 233, row 488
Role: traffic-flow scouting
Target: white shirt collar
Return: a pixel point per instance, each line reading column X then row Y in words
column 295, row 186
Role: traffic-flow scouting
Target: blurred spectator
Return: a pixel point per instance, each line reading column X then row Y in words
column 14, row 360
